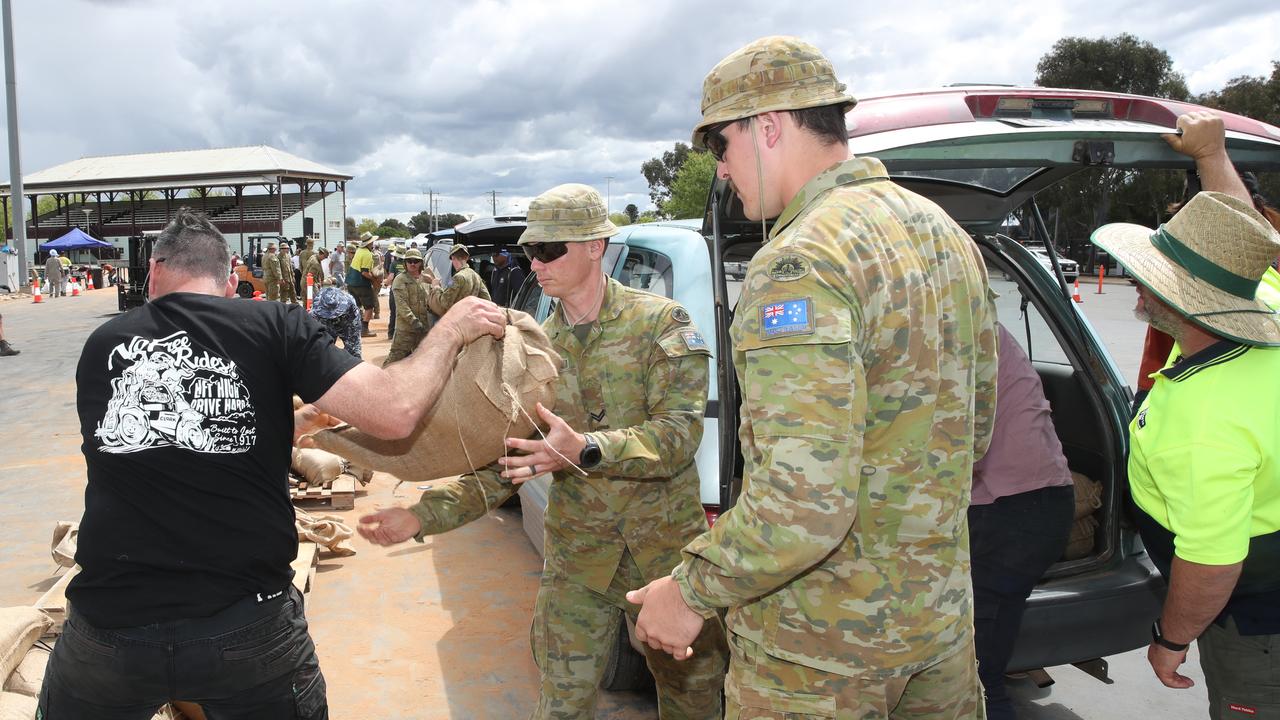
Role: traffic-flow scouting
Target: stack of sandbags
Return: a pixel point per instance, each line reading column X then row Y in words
column 1088, row 501
column 490, row 395
column 20, row 666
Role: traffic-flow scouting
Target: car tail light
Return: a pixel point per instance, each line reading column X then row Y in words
column 1030, row 106
column 713, row 512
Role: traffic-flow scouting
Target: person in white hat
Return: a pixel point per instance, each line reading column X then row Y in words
column 1204, row 458
column 53, row 274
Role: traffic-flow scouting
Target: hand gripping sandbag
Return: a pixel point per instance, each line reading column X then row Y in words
column 490, row 395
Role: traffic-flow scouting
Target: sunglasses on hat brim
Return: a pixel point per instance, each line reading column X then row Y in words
column 545, row 252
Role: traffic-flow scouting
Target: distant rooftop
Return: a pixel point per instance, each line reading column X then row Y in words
column 252, row 165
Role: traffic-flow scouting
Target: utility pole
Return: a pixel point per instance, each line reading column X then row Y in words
column 608, row 193
column 435, row 212
column 431, row 218
column 493, row 198
column 16, row 213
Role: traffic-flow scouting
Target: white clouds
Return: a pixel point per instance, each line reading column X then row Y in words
column 468, row 97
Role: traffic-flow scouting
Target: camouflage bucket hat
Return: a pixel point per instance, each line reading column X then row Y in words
column 459, row 249
column 567, row 213
column 772, row 73
column 413, row 254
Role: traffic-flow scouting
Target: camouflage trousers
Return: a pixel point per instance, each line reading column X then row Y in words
column 273, row 291
column 762, row 687
column 405, row 342
column 573, row 631
column 288, row 293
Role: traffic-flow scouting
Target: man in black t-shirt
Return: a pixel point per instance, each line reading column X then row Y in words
column 505, row 280
column 188, row 531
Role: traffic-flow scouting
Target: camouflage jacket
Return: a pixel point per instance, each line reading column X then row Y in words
column 638, row 386
column 304, row 256
column 466, row 282
column 312, row 265
column 411, row 302
column 270, row 268
column 865, row 350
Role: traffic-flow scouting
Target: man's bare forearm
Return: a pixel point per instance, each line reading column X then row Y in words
column 1197, row 593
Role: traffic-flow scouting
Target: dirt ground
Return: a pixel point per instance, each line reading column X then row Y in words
column 419, row 631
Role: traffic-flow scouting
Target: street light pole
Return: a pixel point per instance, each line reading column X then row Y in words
column 608, row 203
column 18, row 214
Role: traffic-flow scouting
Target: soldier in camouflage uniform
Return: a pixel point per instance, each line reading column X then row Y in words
column 409, row 291
column 865, row 350
column 635, row 382
column 288, row 289
column 311, row 266
column 465, row 282
column 304, row 255
column 271, row 272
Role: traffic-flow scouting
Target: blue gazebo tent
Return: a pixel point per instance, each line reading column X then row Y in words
column 74, row 240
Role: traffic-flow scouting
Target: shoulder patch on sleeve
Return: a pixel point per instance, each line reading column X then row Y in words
column 693, row 340
column 684, row 341
column 786, row 317
column 787, row 267
column 679, row 314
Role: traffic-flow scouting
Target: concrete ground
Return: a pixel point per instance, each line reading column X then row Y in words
column 418, row 631
column 432, row 630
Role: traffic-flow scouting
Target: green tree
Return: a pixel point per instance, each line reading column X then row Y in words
column 660, row 172
column 620, row 219
column 633, row 212
column 350, row 229
column 648, row 216
column 689, row 190
column 366, row 225
column 448, row 220
column 1120, row 64
column 1096, row 196
column 392, row 227
column 420, row 223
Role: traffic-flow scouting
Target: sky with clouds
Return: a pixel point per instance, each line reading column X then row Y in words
column 469, row 97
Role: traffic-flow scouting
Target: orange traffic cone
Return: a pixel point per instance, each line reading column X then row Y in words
column 88, row 283
column 311, row 281
column 257, row 295
column 36, row 297
column 75, row 288
column 1075, row 294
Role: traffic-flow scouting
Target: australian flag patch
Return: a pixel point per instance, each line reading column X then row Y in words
column 786, row 317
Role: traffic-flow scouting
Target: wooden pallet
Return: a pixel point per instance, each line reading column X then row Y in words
column 53, row 602
column 341, row 496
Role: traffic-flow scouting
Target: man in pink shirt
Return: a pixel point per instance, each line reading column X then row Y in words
column 1019, row 517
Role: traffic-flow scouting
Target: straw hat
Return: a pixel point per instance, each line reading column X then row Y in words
column 1206, row 263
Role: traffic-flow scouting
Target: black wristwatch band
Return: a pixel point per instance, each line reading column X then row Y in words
column 1157, row 637
column 590, row 455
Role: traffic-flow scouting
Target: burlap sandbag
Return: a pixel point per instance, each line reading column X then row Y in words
column 27, row 678
column 490, row 395
column 320, row 468
column 17, row 707
column 1080, row 541
column 1088, row 495
column 20, row 627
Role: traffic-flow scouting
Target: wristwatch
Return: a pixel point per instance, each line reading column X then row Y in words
column 590, row 455
column 1157, row 637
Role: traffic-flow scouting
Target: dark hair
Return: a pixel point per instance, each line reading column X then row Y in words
column 192, row 245
column 825, row 122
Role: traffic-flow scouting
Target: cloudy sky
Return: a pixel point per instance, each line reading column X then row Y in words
column 469, row 97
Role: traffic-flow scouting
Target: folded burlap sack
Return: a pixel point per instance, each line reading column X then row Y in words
column 63, row 546
column 319, row 467
column 1080, row 541
column 328, row 531
column 490, row 395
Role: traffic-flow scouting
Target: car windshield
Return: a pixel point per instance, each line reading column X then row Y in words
column 999, row 179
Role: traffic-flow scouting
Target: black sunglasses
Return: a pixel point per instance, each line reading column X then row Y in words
column 413, row 260
column 545, row 252
column 716, row 142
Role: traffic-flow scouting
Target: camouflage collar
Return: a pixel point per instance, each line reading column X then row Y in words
column 850, row 171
